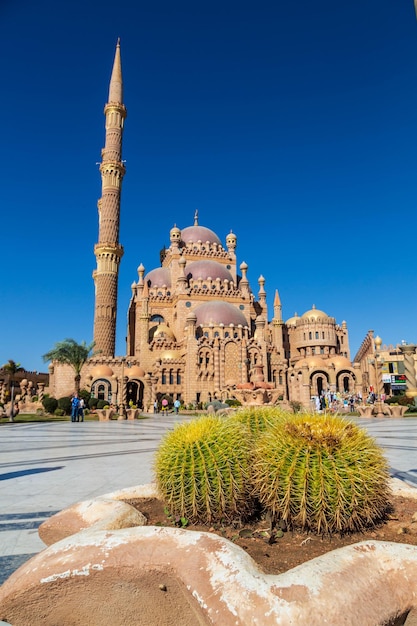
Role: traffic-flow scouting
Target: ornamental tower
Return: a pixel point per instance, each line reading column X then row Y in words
column 108, row 250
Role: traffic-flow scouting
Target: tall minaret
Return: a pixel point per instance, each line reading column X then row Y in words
column 108, row 250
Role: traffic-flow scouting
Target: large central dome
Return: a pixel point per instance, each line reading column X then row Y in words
column 193, row 234
column 208, row 269
column 218, row 312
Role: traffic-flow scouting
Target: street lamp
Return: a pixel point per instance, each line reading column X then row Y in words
column 378, row 379
column 11, row 415
column 122, row 409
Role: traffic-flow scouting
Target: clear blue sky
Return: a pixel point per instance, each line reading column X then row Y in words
column 292, row 123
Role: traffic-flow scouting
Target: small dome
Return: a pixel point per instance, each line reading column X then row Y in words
column 219, row 312
column 135, row 372
column 292, row 321
column 158, row 277
column 312, row 362
column 341, row 362
column 208, row 269
column 101, row 371
column 163, row 329
column 192, row 234
column 314, row 313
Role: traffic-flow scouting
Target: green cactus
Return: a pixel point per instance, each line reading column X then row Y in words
column 202, row 469
column 258, row 418
column 321, row 473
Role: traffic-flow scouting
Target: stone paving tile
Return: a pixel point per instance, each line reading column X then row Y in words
column 47, row 467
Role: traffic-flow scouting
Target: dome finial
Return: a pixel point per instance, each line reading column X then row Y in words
column 196, row 218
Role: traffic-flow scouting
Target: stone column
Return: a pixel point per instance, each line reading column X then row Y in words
column 408, row 351
column 41, row 389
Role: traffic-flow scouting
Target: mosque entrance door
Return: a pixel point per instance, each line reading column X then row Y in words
column 319, row 386
column 134, row 393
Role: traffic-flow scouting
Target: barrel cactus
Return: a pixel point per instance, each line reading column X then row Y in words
column 321, row 473
column 202, row 470
column 258, row 418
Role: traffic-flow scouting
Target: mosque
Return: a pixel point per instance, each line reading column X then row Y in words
column 197, row 330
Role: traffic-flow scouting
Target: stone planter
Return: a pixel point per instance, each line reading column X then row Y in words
column 398, row 411
column 132, row 414
column 365, row 410
column 105, row 415
column 103, row 569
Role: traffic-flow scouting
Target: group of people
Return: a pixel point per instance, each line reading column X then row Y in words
column 165, row 405
column 336, row 402
column 77, row 408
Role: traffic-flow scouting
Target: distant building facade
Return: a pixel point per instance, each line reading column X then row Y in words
column 197, row 331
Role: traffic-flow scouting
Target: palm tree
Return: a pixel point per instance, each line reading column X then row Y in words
column 71, row 353
column 11, row 368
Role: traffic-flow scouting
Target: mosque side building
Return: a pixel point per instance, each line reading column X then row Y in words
column 197, row 330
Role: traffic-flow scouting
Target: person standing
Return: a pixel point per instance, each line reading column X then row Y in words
column 75, row 403
column 81, row 407
column 177, row 405
column 155, row 406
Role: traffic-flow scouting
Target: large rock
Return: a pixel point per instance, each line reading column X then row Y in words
column 158, row 576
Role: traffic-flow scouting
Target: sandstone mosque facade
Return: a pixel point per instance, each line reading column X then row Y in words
column 197, row 330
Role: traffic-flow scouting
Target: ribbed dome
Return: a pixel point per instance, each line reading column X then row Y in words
column 219, row 312
column 101, row 371
column 192, row 234
column 314, row 313
column 158, row 277
column 208, row 269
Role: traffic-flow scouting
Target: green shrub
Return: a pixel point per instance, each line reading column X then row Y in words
column 50, row 404
column 101, row 404
column 202, row 469
column 217, row 405
column 321, row 473
column 296, row 406
column 85, row 395
column 402, row 400
column 59, row 412
column 65, row 404
column 92, row 403
column 34, row 398
column 232, row 402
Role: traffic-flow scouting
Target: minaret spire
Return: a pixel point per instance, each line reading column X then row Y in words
column 116, row 80
column 108, row 250
column 277, row 306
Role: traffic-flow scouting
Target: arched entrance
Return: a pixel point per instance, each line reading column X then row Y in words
column 134, row 393
column 319, row 384
column 101, row 389
column 345, row 382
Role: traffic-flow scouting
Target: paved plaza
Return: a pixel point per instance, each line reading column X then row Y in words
column 46, row 467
